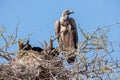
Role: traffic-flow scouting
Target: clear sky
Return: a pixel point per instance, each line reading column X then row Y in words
column 38, row 16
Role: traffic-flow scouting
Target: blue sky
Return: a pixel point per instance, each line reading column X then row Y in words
column 38, row 16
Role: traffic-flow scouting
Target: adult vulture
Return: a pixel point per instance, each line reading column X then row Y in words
column 66, row 31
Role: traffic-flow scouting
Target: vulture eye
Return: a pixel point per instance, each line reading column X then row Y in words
column 67, row 11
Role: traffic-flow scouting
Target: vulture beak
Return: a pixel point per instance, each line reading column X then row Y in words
column 71, row 12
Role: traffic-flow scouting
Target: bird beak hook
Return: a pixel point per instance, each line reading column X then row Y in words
column 71, row 12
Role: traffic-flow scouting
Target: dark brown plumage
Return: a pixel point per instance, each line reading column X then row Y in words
column 37, row 49
column 27, row 46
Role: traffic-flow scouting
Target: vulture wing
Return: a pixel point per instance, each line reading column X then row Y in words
column 74, row 28
column 57, row 30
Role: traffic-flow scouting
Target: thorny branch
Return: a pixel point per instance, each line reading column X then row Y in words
column 9, row 41
column 100, row 64
column 93, row 61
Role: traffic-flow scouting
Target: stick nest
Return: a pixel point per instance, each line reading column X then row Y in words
column 33, row 65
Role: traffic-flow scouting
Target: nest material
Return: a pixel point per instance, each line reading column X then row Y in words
column 32, row 65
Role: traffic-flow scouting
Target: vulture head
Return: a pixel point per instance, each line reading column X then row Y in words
column 66, row 14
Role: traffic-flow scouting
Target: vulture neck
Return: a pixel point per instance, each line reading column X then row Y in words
column 64, row 21
column 65, row 17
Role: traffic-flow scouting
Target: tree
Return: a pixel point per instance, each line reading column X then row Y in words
column 93, row 59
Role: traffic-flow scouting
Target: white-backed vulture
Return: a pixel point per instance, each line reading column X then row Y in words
column 66, row 31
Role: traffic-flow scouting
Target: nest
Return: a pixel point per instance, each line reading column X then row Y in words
column 33, row 65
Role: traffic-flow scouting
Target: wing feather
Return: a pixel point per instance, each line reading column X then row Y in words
column 57, row 29
column 73, row 24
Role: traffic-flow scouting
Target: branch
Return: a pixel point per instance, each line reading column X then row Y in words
column 6, row 56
